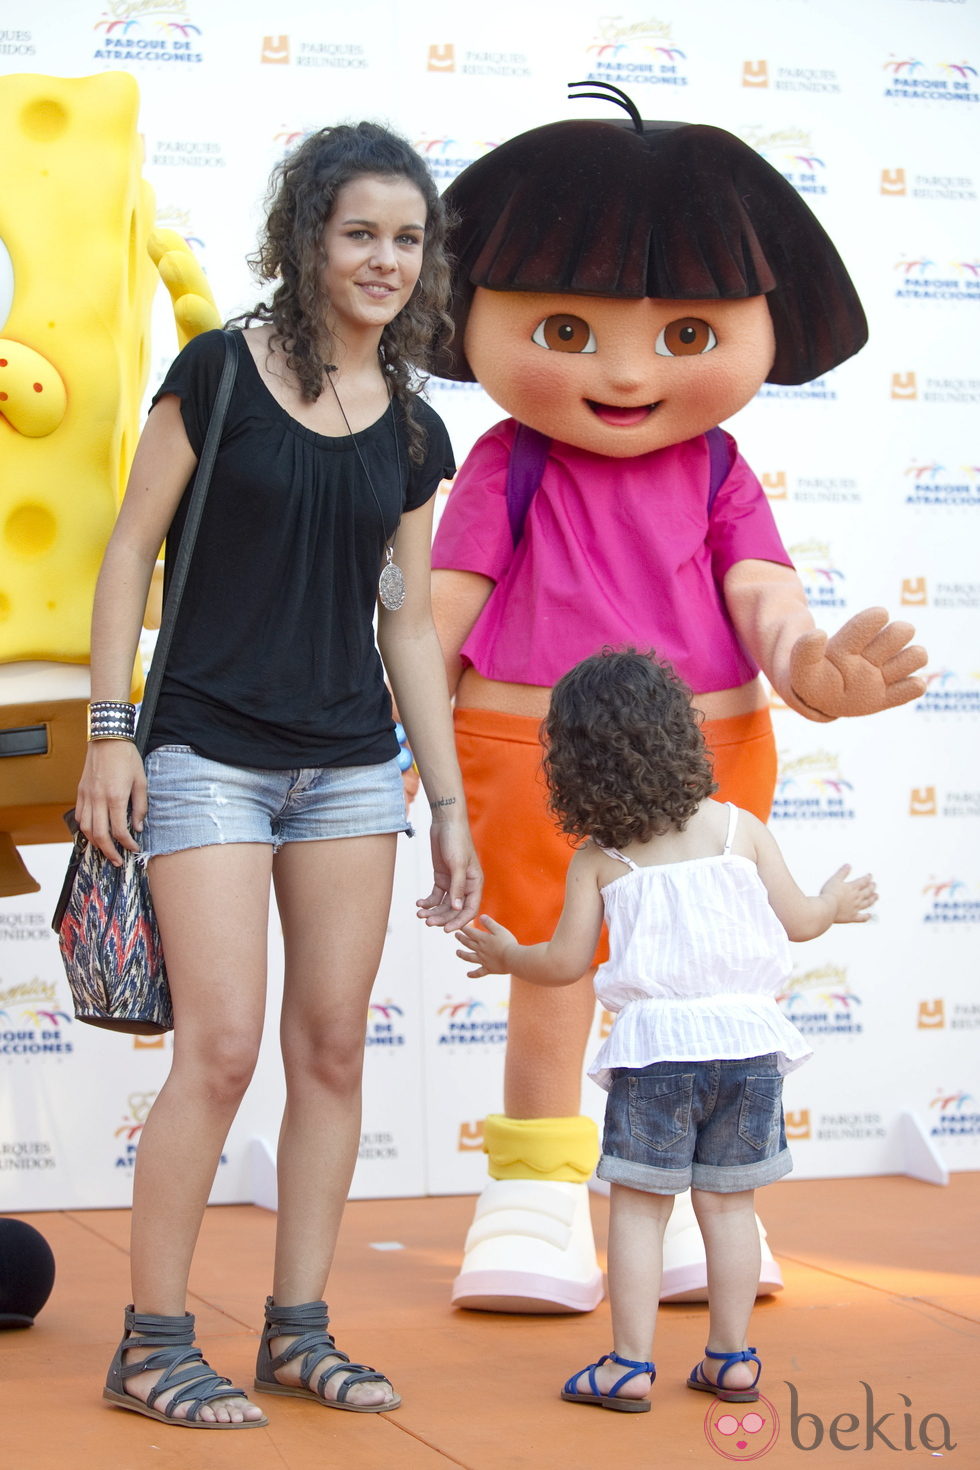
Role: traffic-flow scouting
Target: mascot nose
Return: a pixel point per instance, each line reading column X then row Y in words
column 628, row 376
column 630, row 365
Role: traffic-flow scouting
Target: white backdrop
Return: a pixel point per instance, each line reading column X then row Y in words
column 874, row 473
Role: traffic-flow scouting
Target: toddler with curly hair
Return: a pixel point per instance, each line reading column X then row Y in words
column 700, row 907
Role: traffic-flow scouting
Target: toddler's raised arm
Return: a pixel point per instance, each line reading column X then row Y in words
column 560, row 960
column 840, row 901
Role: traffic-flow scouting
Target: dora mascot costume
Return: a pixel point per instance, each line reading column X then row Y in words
column 621, row 288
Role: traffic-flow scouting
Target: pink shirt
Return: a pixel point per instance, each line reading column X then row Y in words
column 614, row 551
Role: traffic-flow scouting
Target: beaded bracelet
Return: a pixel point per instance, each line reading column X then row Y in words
column 110, row 719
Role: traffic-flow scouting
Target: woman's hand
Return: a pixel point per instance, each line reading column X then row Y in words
column 111, row 801
column 457, row 877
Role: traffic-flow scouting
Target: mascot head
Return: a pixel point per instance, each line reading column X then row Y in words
column 671, row 247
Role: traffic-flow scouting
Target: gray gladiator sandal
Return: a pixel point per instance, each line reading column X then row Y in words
column 181, row 1367
column 308, row 1324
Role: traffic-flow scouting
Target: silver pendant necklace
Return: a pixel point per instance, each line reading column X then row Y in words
column 391, row 582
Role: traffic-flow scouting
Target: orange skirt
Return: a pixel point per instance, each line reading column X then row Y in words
column 524, row 856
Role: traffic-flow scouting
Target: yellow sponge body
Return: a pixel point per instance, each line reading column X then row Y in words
column 75, row 217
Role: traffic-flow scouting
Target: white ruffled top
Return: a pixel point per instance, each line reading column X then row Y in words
column 696, row 958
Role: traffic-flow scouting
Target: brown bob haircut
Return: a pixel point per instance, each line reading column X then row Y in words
column 673, row 210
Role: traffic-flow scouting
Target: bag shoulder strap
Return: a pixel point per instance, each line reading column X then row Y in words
column 195, row 510
column 529, row 454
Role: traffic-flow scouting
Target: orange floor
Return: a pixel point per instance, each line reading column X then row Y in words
column 882, row 1290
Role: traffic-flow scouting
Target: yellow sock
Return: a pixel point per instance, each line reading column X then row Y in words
column 563, row 1149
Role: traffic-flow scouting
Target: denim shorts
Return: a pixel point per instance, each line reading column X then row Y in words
column 715, row 1125
column 194, row 802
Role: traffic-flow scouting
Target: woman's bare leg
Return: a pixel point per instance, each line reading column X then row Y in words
column 212, row 907
column 334, row 899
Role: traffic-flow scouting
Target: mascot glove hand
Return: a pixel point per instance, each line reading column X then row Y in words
column 865, row 667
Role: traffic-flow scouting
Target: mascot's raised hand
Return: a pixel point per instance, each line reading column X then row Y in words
column 621, row 288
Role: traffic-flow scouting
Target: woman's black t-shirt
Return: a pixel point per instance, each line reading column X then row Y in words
column 273, row 662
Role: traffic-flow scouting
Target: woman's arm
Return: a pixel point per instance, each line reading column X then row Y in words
column 562, row 959
column 112, row 789
column 414, row 664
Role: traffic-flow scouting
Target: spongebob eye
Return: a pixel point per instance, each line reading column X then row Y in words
column 687, row 337
column 564, row 334
column 6, row 283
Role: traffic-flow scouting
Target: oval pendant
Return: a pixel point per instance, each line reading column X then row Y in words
column 391, row 587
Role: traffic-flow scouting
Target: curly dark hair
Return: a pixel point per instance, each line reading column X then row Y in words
column 625, row 757
column 302, row 191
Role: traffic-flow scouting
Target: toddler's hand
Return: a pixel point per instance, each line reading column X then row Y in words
column 852, row 898
column 488, row 948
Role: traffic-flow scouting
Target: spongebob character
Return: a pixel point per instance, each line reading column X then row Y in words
column 79, row 264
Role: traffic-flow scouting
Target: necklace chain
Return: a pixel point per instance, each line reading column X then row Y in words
column 391, row 582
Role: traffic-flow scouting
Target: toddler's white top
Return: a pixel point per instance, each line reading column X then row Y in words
column 696, row 958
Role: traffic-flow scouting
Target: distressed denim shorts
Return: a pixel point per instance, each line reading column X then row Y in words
column 195, row 802
column 715, row 1125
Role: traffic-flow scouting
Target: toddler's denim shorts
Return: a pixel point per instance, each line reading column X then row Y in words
column 715, row 1125
column 194, row 802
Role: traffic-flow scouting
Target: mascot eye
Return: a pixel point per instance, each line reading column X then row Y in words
column 6, row 283
column 687, row 337
column 564, row 334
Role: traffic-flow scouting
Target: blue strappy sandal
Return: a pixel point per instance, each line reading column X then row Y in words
column 610, row 1400
column 729, row 1395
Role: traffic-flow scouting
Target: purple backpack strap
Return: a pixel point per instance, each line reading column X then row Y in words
column 718, row 462
column 525, row 467
column 529, row 454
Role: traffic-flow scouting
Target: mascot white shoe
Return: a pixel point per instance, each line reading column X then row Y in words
column 531, row 1248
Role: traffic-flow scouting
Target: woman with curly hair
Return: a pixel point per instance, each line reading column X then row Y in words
column 700, row 905
column 272, row 761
